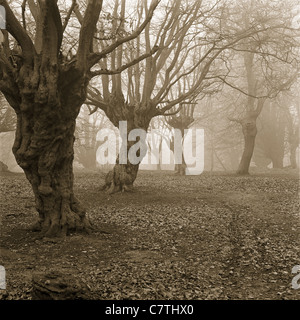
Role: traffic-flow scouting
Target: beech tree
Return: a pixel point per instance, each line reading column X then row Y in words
column 189, row 38
column 183, row 116
column 45, row 82
column 181, row 120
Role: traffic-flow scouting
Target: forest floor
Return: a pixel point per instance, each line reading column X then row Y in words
column 213, row 236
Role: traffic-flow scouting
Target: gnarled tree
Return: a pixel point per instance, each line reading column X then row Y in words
column 189, row 38
column 45, row 82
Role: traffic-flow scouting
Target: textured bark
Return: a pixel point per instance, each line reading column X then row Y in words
column 122, row 177
column 44, row 150
column 47, row 105
column 249, row 131
column 46, row 89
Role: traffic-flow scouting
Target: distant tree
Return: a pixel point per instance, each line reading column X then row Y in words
column 293, row 139
column 271, row 134
column 269, row 61
column 181, row 121
column 291, row 103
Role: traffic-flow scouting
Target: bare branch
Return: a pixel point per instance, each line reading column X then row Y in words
column 87, row 31
column 95, row 57
column 124, row 67
column 23, row 13
column 18, row 32
column 74, row 4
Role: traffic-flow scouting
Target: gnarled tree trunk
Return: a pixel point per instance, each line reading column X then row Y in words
column 46, row 88
column 124, row 173
column 121, row 178
column 44, row 150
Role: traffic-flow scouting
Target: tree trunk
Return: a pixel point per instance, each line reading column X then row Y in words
column 46, row 89
column 44, row 149
column 181, row 122
column 294, row 143
column 122, row 177
column 277, row 162
column 293, row 159
column 249, row 132
column 180, row 167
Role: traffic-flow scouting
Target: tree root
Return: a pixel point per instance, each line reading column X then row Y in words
column 59, row 230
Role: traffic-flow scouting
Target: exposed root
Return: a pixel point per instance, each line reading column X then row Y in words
column 60, row 229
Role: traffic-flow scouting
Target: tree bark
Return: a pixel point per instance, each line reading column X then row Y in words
column 43, row 148
column 121, row 178
column 123, row 175
column 249, row 131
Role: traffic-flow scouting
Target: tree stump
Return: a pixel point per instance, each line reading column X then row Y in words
column 58, row 286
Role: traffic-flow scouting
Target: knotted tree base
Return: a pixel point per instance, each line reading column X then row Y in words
column 59, row 230
column 59, row 215
column 121, row 178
